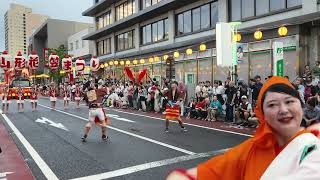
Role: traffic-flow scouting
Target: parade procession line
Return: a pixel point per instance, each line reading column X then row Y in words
column 48, row 173
column 150, row 165
column 130, row 134
column 189, row 124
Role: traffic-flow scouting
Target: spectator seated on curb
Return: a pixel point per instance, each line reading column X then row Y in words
column 311, row 114
column 214, row 109
column 201, row 110
column 191, row 107
column 253, row 120
column 243, row 111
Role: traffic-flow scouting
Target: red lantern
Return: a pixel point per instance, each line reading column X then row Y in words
column 80, row 64
column 94, row 63
column 19, row 61
column 33, row 60
column 5, row 61
column 67, row 63
column 54, row 61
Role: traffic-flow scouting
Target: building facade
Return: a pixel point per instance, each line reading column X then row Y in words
column 19, row 24
column 52, row 34
column 145, row 31
column 81, row 48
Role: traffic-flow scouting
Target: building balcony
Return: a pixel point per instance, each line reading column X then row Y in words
column 98, row 7
column 153, row 11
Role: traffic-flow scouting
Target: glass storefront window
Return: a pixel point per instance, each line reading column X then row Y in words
column 187, row 22
column 196, row 19
column 262, row 7
column 277, row 5
column 235, row 10
column 293, row 3
column 247, row 8
column 214, row 14
column 205, row 16
column 154, row 32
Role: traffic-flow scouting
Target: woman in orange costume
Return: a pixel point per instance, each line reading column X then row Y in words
column 279, row 109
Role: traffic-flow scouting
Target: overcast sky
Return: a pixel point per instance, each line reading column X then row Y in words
column 56, row 9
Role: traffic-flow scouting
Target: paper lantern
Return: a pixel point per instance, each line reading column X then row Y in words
column 165, row 57
column 156, row 59
column 66, row 63
column 102, row 66
column 54, row 61
column 94, row 63
column 116, row 62
column 111, row 63
column 202, row 47
column 258, row 35
column 176, row 54
column 189, row 51
column 151, row 60
column 80, row 64
column 142, row 61
column 283, row 31
column 237, row 37
column 19, row 61
column 135, row 62
column 128, row 62
column 5, row 61
column 121, row 63
column 33, row 60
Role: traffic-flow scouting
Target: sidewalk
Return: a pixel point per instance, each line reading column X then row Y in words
column 12, row 164
column 217, row 124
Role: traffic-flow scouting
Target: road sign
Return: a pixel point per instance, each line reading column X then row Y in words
column 44, row 120
column 278, row 60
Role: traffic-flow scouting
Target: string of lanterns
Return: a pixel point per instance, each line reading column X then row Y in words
column 258, row 35
column 153, row 59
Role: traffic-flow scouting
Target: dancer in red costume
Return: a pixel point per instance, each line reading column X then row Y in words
column 20, row 99
column 66, row 95
column 34, row 97
column 77, row 96
column 53, row 95
column 6, row 99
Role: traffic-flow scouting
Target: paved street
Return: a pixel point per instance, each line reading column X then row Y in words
column 137, row 147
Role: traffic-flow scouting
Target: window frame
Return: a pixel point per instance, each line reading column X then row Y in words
column 143, row 40
column 119, row 49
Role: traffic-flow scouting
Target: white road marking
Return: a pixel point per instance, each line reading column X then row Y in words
column 130, row 134
column 44, row 120
column 150, row 165
column 4, row 175
column 48, row 173
column 221, row 130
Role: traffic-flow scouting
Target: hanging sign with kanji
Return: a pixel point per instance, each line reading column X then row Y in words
column 33, row 60
column 19, row 61
column 94, row 63
column 54, row 61
column 5, row 61
column 67, row 63
column 80, row 64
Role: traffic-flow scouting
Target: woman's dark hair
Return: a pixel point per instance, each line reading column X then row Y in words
column 312, row 102
column 281, row 88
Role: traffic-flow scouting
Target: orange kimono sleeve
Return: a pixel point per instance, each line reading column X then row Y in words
column 229, row 166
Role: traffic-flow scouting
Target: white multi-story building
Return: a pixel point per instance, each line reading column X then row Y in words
column 19, row 25
column 144, row 29
column 77, row 47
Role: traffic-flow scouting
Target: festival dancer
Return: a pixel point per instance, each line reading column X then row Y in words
column 66, row 95
column 34, row 97
column 77, row 95
column 96, row 112
column 20, row 98
column 53, row 95
column 6, row 100
column 173, row 107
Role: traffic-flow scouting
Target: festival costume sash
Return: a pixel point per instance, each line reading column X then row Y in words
column 300, row 159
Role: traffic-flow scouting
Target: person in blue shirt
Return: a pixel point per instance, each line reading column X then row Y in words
column 214, row 110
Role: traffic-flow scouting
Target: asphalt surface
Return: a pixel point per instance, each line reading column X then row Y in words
column 137, row 148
